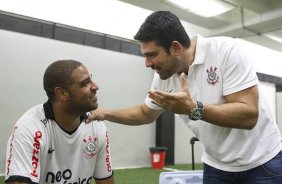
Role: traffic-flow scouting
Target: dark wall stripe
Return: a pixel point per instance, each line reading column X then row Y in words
column 165, row 137
column 279, row 88
column 94, row 40
column 68, row 35
column 269, row 78
column 113, row 44
column 32, row 26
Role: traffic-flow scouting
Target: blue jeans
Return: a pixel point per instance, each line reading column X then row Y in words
column 268, row 173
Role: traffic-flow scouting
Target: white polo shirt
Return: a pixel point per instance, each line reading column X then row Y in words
column 39, row 151
column 221, row 67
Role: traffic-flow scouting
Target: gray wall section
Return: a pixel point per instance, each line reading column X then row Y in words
column 122, row 78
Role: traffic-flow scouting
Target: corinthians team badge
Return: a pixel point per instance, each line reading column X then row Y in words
column 212, row 76
column 90, row 146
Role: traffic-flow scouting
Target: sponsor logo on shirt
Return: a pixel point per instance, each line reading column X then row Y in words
column 108, row 162
column 90, row 146
column 212, row 76
column 65, row 177
column 10, row 151
column 35, row 153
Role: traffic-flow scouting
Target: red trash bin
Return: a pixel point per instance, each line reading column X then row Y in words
column 158, row 157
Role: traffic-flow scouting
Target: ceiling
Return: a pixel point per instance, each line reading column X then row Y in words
column 251, row 20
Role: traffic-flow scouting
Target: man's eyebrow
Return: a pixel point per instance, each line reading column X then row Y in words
column 150, row 53
column 86, row 79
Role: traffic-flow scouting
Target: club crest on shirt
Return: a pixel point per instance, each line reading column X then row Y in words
column 90, row 146
column 212, row 76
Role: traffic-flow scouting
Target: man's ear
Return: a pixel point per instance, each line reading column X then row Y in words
column 175, row 48
column 61, row 93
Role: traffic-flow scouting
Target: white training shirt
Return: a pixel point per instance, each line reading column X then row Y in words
column 39, row 151
column 221, row 67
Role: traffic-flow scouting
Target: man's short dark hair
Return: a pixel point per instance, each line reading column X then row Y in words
column 58, row 74
column 163, row 27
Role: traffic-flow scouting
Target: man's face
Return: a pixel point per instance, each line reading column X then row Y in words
column 165, row 64
column 82, row 93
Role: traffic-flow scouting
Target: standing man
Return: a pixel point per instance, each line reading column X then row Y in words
column 212, row 84
column 51, row 143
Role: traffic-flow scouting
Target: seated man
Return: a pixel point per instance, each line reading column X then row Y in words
column 51, row 143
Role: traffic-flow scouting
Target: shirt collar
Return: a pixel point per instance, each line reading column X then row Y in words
column 49, row 113
column 200, row 53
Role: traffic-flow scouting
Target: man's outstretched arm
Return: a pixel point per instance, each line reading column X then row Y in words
column 136, row 115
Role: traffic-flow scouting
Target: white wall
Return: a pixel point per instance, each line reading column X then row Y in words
column 122, row 78
column 267, row 61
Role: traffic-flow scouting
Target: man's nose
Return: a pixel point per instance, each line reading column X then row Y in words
column 94, row 87
column 148, row 62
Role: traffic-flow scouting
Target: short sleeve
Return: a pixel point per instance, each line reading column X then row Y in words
column 238, row 69
column 103, row 167
column 23, row 152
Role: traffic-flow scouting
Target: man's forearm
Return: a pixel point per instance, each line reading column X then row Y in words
column 136, row 115
column 232, row 115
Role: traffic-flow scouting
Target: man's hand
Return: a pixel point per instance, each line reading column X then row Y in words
column 176, row 102
column 95, row 115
